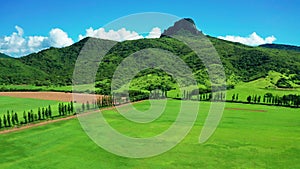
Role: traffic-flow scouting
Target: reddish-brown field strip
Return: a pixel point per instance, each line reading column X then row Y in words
column 58, row 96
column 253, row 110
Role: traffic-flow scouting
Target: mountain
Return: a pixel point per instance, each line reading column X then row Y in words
column 242, row 63
column 15, row 72
column 57, row 63
column 184, row 25
column 2, row 55
column 281, row 47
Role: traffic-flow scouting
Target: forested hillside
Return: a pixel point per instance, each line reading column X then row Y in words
column 282, row 47
column 2, row 55
column 55, row 66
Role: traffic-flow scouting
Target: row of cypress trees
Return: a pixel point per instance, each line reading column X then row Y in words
column 11, row 119
column 291, row 100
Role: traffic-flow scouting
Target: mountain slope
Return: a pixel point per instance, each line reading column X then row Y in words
column 281, row 47
column 58, row 63
column 251, row 63
column 15, row 72
column 241, row 62
column 2, row 55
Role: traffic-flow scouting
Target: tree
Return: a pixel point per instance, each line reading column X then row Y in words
column 258, row 99
column 87, row 105
column 8, row 119
column 25, row 117
column 49, row 111
column 82, row 107
column 59, row 109
column 72, row 107
column 46, row 113
column 69, row 108
column 249, row 99
column 233, row 97
column 35, row 117
column 255, row 98
column 13, row 118
column 268, row 97
column 65, row 109
column 28, row 117
column 0, row 122
column 32, row 115
column 39, row 114
column 62, row 109
column 16, row 118
column 4, row 121
column 43, row 113
column 237, row 97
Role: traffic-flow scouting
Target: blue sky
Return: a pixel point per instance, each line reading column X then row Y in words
column 237, row 20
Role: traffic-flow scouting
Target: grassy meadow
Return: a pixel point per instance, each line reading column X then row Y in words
column 20, row 105
column 243, row 139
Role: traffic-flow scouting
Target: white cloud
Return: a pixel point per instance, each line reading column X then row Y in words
column 59, row 38
column 119, row 35
column 154, row 33
column 36, row 43
column 252, row 40
column 13, row 43
column 20, row 30
column 17, row 45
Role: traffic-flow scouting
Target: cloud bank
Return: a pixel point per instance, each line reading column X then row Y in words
column 252, row 40
column 119, row 35
column 17, row 45
column 154, row 33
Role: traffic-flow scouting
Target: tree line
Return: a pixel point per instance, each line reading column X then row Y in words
column 291, row 100
column 11, row 119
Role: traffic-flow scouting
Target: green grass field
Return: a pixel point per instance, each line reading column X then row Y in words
column 244, row 139
column 260, row 87
column 20, row 105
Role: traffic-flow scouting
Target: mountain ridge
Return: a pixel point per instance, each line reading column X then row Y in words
column 241, row 62
column 2, row 55
column 281, row 47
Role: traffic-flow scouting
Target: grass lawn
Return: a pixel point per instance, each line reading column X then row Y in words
column 244, row 139
column 20, row 105
column 258, row 87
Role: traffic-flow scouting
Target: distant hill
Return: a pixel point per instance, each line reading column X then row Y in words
column 241, row 62
column 2, row 55
column 281, row 47
column 57, row 63
column 15, row 72
column 185, row 25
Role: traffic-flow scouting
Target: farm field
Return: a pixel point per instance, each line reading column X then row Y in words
column 57, row 96
column 19, row 105
column 248, row 136
column 257, row 87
